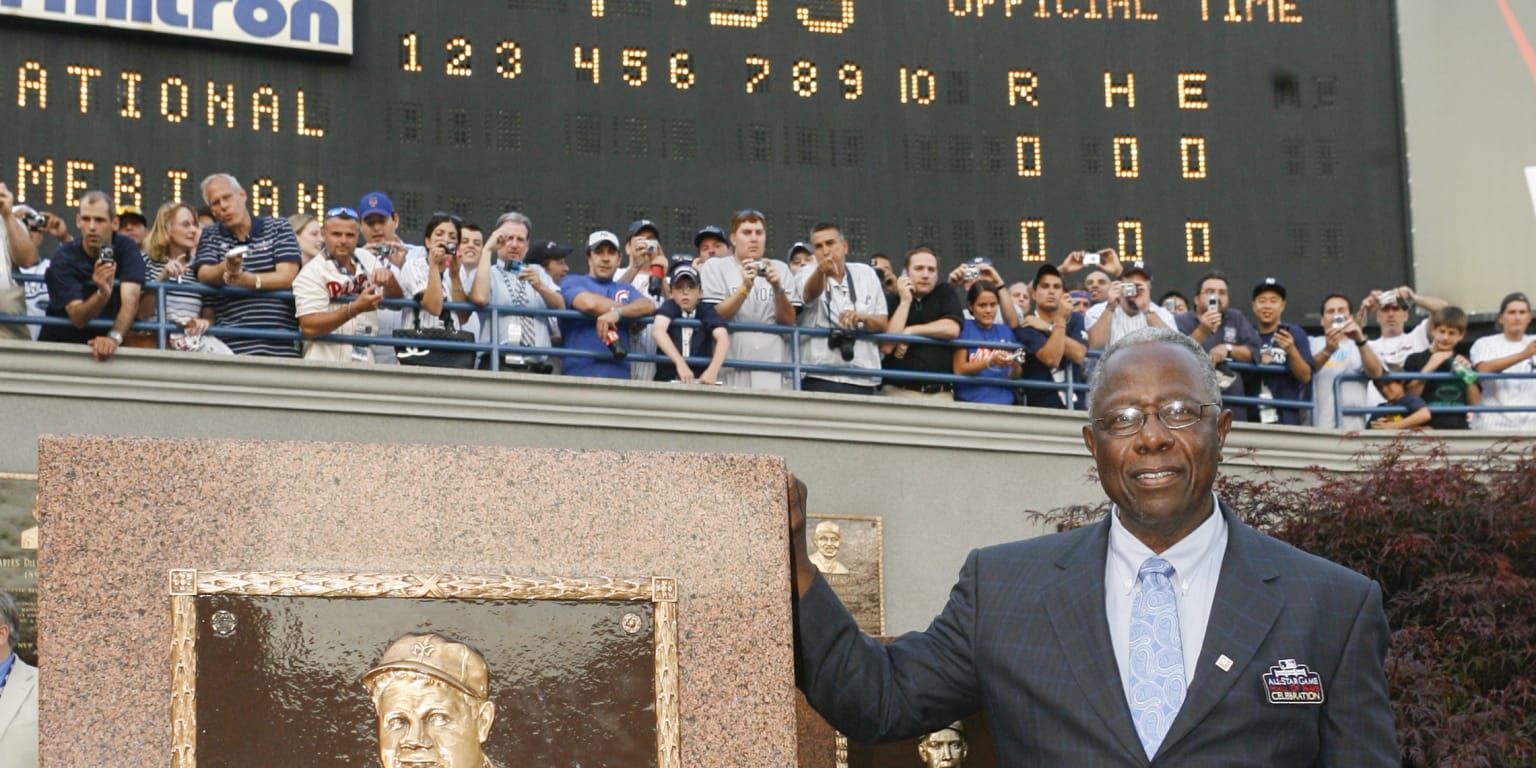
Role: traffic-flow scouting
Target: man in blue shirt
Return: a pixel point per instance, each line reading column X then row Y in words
column 1054, row 340
column 1278, row 340
column 18, row 695
column 608, row 306
column 82, row 276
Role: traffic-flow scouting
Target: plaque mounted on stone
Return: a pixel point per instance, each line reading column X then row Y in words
column 279, row 668
column 849, row 552
column 18, row 555
column 284, row 554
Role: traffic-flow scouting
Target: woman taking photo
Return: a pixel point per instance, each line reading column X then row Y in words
column 423, row 280
column 988, row 362
column 167, row 259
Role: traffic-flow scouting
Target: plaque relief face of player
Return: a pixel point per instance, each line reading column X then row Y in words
column 829, row 539
column 431, row 696
column 943, row 748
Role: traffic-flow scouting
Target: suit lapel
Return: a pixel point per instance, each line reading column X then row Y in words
column 20, row 683
column 1242, row 613
column 1076, row 610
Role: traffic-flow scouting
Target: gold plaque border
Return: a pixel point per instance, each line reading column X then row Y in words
column 660, row 591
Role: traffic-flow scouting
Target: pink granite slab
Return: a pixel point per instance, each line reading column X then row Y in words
column 117, row 514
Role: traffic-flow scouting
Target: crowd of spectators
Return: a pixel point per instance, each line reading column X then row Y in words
column 290, row 288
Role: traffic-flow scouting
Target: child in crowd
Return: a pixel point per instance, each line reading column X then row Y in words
column 1414, row 411
column 1448, row 327
column 986, row 362
column 677, row 341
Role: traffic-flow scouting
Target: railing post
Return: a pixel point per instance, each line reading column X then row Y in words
column 794, row 356
column 495, row 338
column 160, row 312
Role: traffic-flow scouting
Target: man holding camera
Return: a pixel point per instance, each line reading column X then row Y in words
column 647, row 272
column 1277, row 346
column 849, row 300
column 1055, row 342
column 1393, row 307
column 258, row 255
column 98, row 276
column 1224, row 333
column 752, row 289
column 515, row 275
column 339, row 291
column 17, row 251
column 922, row 307
column 1129, row 307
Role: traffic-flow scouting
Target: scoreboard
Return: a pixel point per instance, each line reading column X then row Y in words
column 1260, row 137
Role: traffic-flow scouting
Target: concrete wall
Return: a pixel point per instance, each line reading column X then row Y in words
column 1470, row 101
column 944, row 477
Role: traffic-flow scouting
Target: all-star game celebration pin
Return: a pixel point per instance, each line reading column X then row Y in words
column 1290, row 683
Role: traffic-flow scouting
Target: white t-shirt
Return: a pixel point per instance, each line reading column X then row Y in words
column 1392, row 352
column 1352, row 394
column 1508, row 391
column 413, row 279
column 836, row 298
column 1121, row 324
column 721, row 277
column 314, row 289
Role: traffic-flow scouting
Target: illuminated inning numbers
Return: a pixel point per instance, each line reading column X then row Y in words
column 803, row 76
column 741, row 19
column 410, row 60
column 598, row 9
column 635, row 71
column 1027, row 147
column 509, row 59
column 1130, row 239
column 1192, row 149
column 919, row 86
column 1032, row 239
column 853, row 81
column 681, row 67
column 459, row 65
column 760, row 77
column 591, row 65
column 1127, row 158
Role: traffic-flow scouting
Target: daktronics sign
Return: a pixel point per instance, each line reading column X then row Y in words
column 313, row 25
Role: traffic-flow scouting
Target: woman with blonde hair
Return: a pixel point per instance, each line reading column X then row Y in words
column 307, row 228
column 167, row 259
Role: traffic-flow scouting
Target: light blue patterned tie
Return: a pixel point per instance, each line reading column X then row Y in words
column 1157, row 655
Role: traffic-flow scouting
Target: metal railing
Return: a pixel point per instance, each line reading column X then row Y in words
column 1341, row 410
column 1072, row 390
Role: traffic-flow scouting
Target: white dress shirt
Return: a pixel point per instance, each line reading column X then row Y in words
column 1196, row 564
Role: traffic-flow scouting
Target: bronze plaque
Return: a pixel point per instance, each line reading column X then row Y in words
column 849, row 552
column 278, row 679
column 18, row 555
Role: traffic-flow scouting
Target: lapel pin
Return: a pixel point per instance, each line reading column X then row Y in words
column 1224, row 662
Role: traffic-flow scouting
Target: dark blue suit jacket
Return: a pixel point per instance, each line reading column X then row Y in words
column 1024, row 638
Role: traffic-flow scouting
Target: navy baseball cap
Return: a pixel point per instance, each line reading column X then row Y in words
column 1136, row 267
column 542, row 252
column 708, row 232
column 1511, row 298
column 797, row 247
column 641, row 225
column 685, row 270
column 375, row 203
column 1271, row 284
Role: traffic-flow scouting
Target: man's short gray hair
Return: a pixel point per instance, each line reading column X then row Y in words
column 10, row 618
column 225, row 177
column 515, row 218
column 1153, row 334
column 97, row 196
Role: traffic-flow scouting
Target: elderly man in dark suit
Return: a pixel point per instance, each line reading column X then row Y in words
column 1169, row 634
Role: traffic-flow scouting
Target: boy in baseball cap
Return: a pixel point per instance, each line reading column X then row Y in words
column 709, row 339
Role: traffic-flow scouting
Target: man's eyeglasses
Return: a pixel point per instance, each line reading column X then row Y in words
column 1178, row 414
column 342, row 212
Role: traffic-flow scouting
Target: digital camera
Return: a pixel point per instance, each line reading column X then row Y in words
column 1129, row 290
column 1212, row 303
column 1339, row 321
column 515, row 266
column 34, row 221
column 842, row 340
column 970, row 272
column 1091, row 259
column 106, row 255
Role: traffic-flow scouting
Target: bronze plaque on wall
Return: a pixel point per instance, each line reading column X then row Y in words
column 850, row 553
column 18, row 555
column 578, row 672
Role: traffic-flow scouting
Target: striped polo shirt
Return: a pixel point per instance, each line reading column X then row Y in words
column 271, row 242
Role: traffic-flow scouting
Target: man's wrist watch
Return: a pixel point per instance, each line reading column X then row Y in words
column 617, row 315
column 115, row 336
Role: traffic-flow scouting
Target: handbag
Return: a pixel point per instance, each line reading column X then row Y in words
column 435, row 358
column 13, row 301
